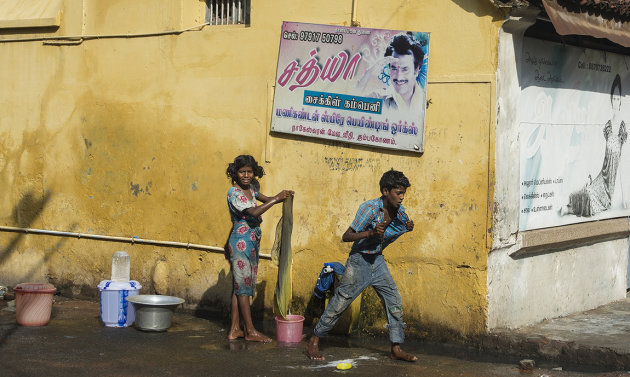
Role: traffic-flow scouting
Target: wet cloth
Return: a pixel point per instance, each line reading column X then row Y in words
column 244, row 242
column 326, row 279
column 284, row 286
column 371, row 213
column 596, row 195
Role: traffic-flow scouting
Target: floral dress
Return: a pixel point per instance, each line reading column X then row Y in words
column 244, row 241
column 596, row 196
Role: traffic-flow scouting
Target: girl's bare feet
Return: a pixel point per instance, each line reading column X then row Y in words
column 255, row 336
column 312, row 349
column 398, row 354
column 235, row 334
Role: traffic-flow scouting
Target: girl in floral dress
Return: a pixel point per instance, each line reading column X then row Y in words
column 244, row 242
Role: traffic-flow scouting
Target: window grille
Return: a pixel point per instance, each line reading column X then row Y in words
column 227, row 12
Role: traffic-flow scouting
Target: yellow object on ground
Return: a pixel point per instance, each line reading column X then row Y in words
column 344, row 366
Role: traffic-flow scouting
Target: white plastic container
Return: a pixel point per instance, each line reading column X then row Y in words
column 116, row 311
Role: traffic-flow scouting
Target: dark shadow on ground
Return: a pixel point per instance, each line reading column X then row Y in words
column 216, row 301
column 314, row 309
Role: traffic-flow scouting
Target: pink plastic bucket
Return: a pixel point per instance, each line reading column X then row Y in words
column 33, row 303
column 289, row 330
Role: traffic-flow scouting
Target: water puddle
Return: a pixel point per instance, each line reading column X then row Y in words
column 333, row 364
column 212, row 347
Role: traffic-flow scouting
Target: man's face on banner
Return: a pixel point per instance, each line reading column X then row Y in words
column 403, row 74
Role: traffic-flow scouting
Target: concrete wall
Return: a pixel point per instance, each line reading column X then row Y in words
column 541, row 274
column 523, row 291
column 132, row 136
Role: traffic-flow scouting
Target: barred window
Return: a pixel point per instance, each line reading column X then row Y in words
column 227, row 12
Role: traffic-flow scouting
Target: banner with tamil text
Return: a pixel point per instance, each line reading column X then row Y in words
column 356, row 85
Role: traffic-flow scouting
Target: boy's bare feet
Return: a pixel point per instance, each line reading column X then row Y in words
column 398, row 354
column 312, row 349
column 235, row 334
column 255, row 336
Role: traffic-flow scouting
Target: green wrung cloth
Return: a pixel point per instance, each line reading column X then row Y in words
column 282, row 256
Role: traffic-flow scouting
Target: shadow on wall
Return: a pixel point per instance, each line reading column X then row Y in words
column 216, row 300
column 483, row 10
column 24, row 214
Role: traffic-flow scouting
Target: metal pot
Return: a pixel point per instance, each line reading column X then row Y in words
column 154, row 312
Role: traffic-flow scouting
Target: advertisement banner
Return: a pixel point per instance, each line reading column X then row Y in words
column 574, row 164
column 356, row 85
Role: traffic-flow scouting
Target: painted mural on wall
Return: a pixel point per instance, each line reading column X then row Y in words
column 357, row 85
column 574, row 110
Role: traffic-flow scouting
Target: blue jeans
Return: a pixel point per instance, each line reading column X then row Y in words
column 363, row 270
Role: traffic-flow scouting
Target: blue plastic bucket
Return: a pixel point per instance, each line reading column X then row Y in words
column 116, row 311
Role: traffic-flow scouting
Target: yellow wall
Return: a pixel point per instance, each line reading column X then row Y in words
column 131, row 137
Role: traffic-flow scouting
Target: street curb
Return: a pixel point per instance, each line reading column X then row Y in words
column 541, row 348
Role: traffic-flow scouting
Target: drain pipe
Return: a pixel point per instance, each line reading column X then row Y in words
column 353, row 16
column 131, row 240
column 78, row 39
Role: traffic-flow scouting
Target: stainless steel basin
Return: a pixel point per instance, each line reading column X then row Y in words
column 154, row 312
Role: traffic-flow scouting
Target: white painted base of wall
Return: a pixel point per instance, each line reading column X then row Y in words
column 527, row 290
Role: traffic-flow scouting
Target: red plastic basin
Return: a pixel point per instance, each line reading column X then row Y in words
column 33, row 303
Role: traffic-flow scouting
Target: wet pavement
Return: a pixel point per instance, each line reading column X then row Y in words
column 598, row 337
column 75, row 343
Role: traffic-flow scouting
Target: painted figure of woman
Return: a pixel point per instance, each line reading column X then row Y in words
column 596, row 195
column 244, row 242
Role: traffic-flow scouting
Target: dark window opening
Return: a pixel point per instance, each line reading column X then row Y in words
column 228, row 12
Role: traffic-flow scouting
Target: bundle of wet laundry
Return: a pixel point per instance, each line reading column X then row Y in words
column 331, row 273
